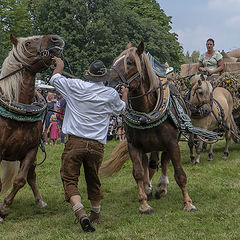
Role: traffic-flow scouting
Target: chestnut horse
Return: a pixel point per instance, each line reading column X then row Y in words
column 20, row 132
column 133, row 69
column 211, row 109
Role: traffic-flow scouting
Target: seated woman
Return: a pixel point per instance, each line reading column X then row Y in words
column 212, row 61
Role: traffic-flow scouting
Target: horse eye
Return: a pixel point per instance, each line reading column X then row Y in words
column 27, row 44
column 200, row 93
column 129, row 63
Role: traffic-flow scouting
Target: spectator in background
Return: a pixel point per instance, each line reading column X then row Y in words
column 51, row 107
column 120, row 129
column 61, row 105
column 54, row 130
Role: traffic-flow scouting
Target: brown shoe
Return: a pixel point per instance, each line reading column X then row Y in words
column 95, row 217
column 84, row 221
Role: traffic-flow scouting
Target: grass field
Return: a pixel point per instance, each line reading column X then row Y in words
column 213, row 186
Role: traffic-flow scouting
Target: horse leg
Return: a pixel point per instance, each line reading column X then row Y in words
column 199, row 150
column 180, row 176
column 19, row 182
column 146, row 179
column 228, row 139
column 191, row 145
column 138, row 174
column 153, row 166
column 31, row 179
column 210, row 154
column 161, row 187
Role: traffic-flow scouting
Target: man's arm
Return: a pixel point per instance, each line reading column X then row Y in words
column 59, row 65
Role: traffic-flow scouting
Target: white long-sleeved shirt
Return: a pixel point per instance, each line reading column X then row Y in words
column 89, row 106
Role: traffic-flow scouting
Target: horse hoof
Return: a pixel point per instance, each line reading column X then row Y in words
column 192, row 159
column 2, row 217
column 193, row 210
column 160, row 194
column 149, row 196
column 41, row 203
column 225, row 155
column 148, row 212
column 190, row 208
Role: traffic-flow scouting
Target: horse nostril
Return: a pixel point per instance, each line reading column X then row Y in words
column 55, row 38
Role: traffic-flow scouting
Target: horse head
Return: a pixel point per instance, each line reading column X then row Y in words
column 201, row 95
column 28, row 56
column 133, row 70
column 36, row 52
column 127, row 67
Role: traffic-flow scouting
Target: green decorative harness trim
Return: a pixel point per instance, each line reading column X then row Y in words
column 181, row 120
column 142, row 120
column 19, row 117
column 23, row 112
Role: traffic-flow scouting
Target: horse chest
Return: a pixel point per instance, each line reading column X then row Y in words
column 16, row 140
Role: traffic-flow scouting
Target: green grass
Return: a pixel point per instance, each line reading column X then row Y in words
column 213, row 186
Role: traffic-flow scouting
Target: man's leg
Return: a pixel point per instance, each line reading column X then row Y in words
column 91, row 169
column 70, row 172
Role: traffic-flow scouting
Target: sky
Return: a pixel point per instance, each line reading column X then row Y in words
column 197, row 20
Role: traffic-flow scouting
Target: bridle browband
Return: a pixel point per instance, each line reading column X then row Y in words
column 42, row 54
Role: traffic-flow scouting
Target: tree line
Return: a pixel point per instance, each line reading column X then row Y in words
column 93, row 29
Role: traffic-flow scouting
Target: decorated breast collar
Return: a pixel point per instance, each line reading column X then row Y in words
column 142, row 120
column 23, row 112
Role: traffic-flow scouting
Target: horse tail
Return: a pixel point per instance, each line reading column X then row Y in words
column 117, row 158
column 8, row 173
column 234, row 131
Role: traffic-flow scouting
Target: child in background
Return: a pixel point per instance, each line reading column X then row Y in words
column 54, row 130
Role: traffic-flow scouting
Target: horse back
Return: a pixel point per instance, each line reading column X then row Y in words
column 224, row 97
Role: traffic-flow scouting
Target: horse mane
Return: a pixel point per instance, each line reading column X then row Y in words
column 153, row 79
column 10, row 87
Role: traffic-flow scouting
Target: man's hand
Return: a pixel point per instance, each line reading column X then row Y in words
column 124, row 92
column 59, row 65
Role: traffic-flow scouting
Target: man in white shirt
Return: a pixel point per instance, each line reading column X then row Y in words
column 89, row 107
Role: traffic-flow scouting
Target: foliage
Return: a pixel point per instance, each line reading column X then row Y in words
column 92, row 29
column 100, row 29
column 213, row 187
column 193, row 58
column 14, row 19
column 160, row 42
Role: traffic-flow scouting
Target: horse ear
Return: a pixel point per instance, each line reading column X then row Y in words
column 140, row 48
column 202, row 77
column 199, row 82
column 129, row 45
column 13, row 40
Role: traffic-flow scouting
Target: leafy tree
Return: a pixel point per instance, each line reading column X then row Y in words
column 193, row 58
column 160, row 42
column 14, row 19
column 100, row 29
